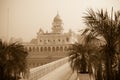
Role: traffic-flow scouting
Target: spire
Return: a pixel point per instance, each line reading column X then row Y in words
column 40, row 31
column 57, row 13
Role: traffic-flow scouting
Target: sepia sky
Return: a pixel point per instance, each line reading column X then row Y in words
column 23, row 18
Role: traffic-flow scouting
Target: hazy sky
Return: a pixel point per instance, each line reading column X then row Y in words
column 23, row 18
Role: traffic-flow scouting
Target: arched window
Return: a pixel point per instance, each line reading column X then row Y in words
column 33, row 49
column 41, row 49
column 65, row 49
column 57, row 48
column 67, row 39
column 40, row 40
column 29, row 64
column 53, row 40
column 30, row 49
column 45, row 48
column 49, row 49
column 48, row 40
column 37, row 49
column 58, row 40
column 53, row 49
column 61, row 48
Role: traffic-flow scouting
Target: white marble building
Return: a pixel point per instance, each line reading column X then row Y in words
column 49, row 46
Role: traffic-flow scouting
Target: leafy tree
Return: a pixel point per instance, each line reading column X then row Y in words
column 108, row 28
column 85, row 55
column 92, row 45
column 12, row 60
column 77, row 58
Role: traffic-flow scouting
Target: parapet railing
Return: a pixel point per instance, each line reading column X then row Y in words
column 38, row 72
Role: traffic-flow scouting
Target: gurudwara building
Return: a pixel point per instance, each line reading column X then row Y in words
column 49, row 46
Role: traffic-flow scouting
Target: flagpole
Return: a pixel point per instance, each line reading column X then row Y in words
column 7, row 25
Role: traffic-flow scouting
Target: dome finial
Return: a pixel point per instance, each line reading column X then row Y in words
column 57, row 13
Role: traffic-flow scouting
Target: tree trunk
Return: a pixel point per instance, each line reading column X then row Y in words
column 118, row 74
column 109, row 67
column 83, row 64
column 90, row 71
column 1, row 74
column 99, row 72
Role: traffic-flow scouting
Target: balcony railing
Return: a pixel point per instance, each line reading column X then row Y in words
column 38, row 72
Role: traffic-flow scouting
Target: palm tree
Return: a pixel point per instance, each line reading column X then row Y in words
column 12, row 60
column 2, row 58
column 106, row 27
column 77, row 58
column 92, row 44
column 88, row 50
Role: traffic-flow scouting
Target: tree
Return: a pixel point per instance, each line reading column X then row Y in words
column 87, row 53
column 92, row 45
column 108, row 28
column 12, row 60
column 77, row 58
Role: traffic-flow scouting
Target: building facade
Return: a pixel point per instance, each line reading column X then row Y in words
column 49, row 46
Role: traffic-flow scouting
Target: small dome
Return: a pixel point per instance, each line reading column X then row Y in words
column 57, row 18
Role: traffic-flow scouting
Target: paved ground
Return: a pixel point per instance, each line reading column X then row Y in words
column 62, row 73
column 84, row 77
